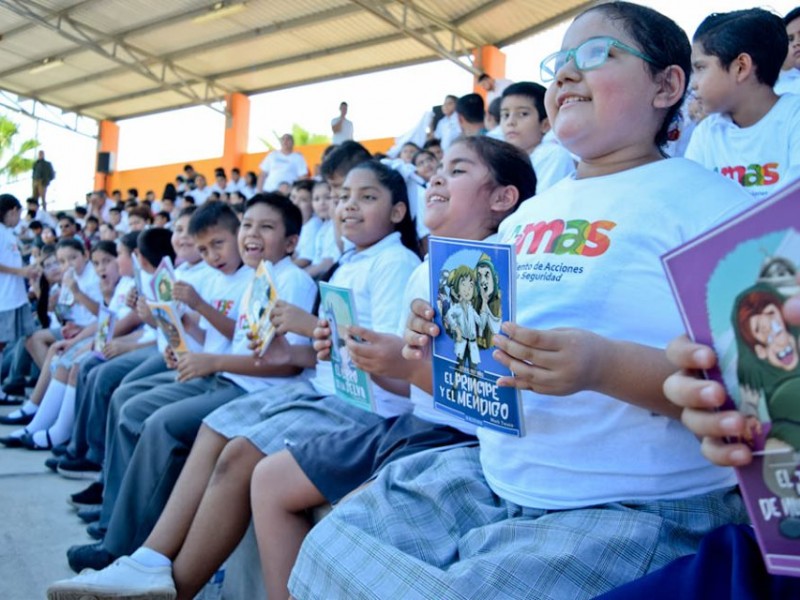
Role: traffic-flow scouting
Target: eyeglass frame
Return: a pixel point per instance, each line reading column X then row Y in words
column 572, row 53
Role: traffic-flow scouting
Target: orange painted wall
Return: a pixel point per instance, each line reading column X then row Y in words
column 492, row 61
column 155, row 178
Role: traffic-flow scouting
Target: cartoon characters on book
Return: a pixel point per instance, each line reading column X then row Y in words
column 340, row 356
column 166, row 325
column 768, row 371
column 164, row 291
column 474, row 313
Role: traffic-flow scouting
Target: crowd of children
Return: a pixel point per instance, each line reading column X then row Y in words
column 608, row 492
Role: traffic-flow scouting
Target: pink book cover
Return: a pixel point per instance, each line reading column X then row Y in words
column 730, row 285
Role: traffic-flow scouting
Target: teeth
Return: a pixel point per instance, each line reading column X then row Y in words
column 437, row 198
column 573, row 99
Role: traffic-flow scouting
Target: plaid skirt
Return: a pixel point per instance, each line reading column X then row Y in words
column 429, row 526
column 275, row 418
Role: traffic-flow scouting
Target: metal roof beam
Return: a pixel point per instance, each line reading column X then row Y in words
column 213, row 44
column 87, row 37
column 54, row 14
column 458, row 51
column 14, row 105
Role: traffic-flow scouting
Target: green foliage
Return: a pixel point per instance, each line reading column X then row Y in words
column 302, row 137
column 17, row 163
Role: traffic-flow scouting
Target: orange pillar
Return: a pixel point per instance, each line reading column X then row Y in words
column 108, row 141
column 492, row 61
column 237, row 125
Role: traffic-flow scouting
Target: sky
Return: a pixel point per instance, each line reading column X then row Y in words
column 197, row 133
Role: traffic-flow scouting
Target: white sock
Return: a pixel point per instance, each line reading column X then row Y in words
column 150, row 558
column 61, row 430
column 18, row 433
column 29, row 408
column 48, row 409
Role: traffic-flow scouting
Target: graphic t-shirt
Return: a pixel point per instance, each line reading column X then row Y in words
column 763, row 157
column 588, row 256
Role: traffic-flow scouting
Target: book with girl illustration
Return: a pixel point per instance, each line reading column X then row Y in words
column 730, row 285
column 163, row 281
column 106, row 319
column 169, row 322
column 472, row 293
column 257, row 302
column 352, row 384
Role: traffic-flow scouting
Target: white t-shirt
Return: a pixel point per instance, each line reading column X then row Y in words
column 377, row 277
column 295, row 287
column 588, row 256
column 761, row 156
column 117, row 304
column 282, row 167
column 345, row 133
column 201, row 277
column 788, row 82
column 551, row 162
column 225, row 295
column 201, row 196
column 89, row 283
column 308, row 238
column 12, row 287
column 447, row 130
column 325, row 243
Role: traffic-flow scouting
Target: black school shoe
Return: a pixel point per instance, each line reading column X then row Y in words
column 10, row 400
column 15, row 388
column 78, row 468
column 23, row 419
column 91, row 497
column 89, row 556
column 90, row 515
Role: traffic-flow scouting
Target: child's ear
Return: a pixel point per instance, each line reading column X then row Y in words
column 742, row 67
column 671, row 86
column 504, row 199
column 398, row 212
column 291, row 244
column 544, row 125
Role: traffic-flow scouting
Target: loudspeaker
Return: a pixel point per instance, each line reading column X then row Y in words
column 105, row 162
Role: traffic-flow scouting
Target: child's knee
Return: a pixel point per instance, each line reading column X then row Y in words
column 238, row 459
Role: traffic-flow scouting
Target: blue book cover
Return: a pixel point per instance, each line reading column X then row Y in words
column 352, row 384
column 473, row 291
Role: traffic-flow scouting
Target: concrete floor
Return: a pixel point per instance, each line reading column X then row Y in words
column 36, row 523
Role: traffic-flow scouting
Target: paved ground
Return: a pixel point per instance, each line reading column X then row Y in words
column 36, row 523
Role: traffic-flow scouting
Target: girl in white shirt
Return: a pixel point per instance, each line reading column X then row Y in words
column 15, row 312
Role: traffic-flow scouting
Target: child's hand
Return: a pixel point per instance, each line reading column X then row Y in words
column 420, row 328
column 557, row 362
column 62, row 346
column 376, row 353
column 322, row 340
column 131, row 298
column 144, row 312
column 277, row 353
column 288, row 318
column 699, row 398
column 184, row 292
column 192, row 365
column 69, row 280
column 70, row 330
column 31, row 273
column 170, row 358
column 114, row 348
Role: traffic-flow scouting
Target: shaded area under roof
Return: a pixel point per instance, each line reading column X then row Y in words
column 113, row 59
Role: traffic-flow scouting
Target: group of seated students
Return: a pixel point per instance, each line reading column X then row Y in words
column 609, row 493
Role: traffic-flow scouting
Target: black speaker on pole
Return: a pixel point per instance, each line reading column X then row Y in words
column 105, row 162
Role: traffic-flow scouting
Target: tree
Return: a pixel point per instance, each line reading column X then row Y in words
column 302, row 137
column 16, row 164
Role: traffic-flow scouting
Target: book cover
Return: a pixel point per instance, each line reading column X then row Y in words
column 106, row 320
column 730, row 285
column 473, row 290
column 66, row 299
column 257, row 302
column 137, row 273
column 352, row 384
column 169, row 322
column 163, row 280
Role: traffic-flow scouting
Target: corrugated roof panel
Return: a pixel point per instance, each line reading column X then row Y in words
column 140, row 105
column 111, row 17
column 10, row 21
column 513, row 18
column 254, row 51
column 79, row 95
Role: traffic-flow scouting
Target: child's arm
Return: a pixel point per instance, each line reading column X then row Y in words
column 127, row 324
column 185, row 293
column 564, row 361
column 317, row 269
column 26, row 272
column 72, row 283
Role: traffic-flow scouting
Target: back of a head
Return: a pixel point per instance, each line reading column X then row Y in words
column 130, row 240
column 154, row 244
column 213, row 214
column 755, row 31
column 7, row 203
column 792, row 15
column 290, row 213
column 508, row 164
column 470, row 108
column 533, row 91
column 494, row 108
column 343, row 158
column 659, row 37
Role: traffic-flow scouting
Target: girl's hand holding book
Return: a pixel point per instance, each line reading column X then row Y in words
column 322, row 340
column 376, row 353
column 192, row 365
column 420, row 328
column 170, row 359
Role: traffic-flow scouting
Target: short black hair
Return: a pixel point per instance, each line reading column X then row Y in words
column 7, row 204
column 483, row 77
column 754, row 31
column 130, row 240
column 291, row 215
column 432, row 143
column 35, row 224
column 165, row 214
column 792, row 15
column 115, row 209
column 69, row 218
column 92, row 219
column 533, row 91
column 141, row 212
column 494, row 109
column 470, row 107
column 133, row 192
column 304, row 184
column 71, row 242
column 104, row 246
column 80, row 210
column 213, row 214
column 154, row 244
column 342, row 158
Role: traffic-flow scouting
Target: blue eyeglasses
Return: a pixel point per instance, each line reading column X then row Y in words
column 591, row 54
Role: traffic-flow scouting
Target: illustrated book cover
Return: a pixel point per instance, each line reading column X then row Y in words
column 472, row 292
column 163, row 281
column 352, row 384
column 730, row 285
column 169, row 322
column 106, row 319
column 258, row 300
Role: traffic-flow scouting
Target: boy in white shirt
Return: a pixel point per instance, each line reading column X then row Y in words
column 789, row 77
column 751, row 134
column 525, row 125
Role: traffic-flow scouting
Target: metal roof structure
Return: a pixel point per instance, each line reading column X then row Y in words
column 113, row 59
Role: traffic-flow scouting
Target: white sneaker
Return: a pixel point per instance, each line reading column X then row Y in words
column 124, row 578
